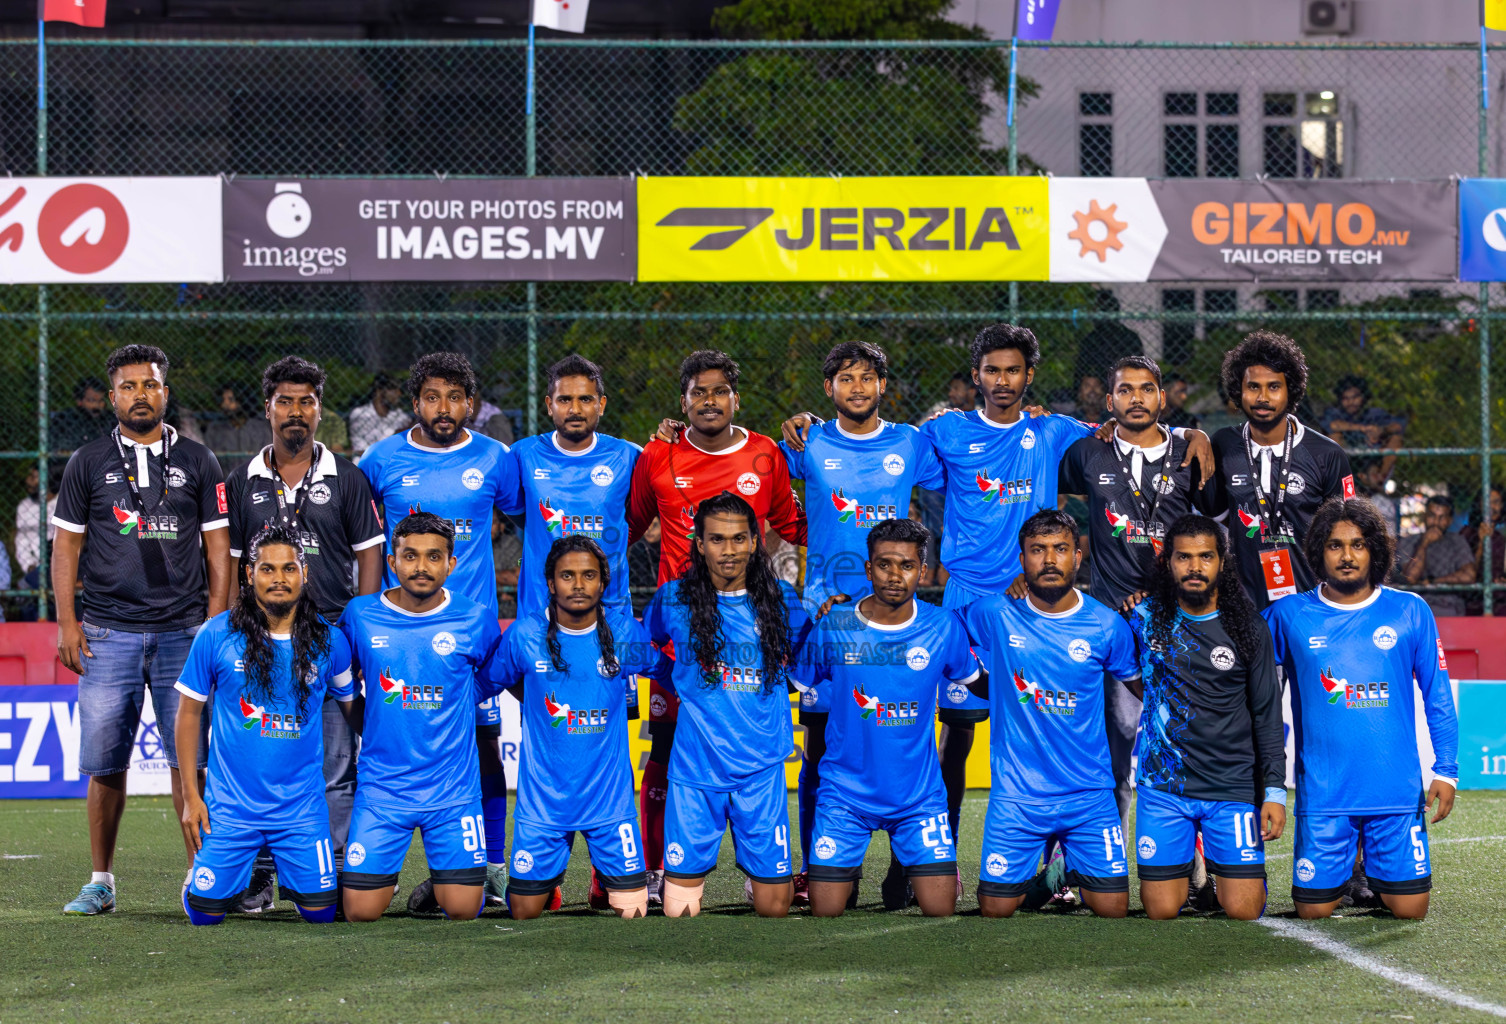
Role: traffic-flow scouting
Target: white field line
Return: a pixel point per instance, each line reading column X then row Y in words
column 1354, row 958
column 1431, row 843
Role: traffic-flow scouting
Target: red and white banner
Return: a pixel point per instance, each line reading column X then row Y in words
column 88, row 13
column 108, row 230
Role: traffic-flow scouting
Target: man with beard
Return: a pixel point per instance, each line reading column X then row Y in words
column 684, row 465
column 1050, row 658
column 1351, row 649
column 440, row 466
column 153, row 506
column 1212, row 758
column 321, row 497
column 1273, row 472
column 267, row 665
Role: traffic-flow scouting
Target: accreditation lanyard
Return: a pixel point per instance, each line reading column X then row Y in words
column 129, row 464
column 1160, row 486
column 295, row 517
column 1270, row 509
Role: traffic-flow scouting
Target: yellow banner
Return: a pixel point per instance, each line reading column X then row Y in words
column 842, row 229
column 1495, row 14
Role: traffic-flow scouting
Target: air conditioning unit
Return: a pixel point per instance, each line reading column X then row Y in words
column 1327, row 17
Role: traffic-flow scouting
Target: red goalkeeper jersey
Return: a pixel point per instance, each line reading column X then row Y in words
column 670, row 480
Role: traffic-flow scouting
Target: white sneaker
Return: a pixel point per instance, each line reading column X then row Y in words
column 748, row 891
column 656, row 888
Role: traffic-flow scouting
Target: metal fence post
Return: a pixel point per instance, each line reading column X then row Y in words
column 1014, row 159
column 1484, row 302
column 44, row 577
column 531, row 415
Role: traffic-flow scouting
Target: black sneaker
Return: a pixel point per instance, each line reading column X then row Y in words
column 421, row 900
column 894, row 890
column 1204, row 899
column 1362, row 896
column 258, row 895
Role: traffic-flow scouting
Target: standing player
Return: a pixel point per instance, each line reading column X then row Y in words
column 1050, row 658
column 1212, row 759
column 268, row 664
column 301, row 485
column 735, row 627
column 859, row 471
column 1273, row 472
column 425, row 653
column 573, row 482
column 670, row 481
column 1358, row 779
column 1137, row 486
column 439, row 466
column 882, row 660
column 567, row 665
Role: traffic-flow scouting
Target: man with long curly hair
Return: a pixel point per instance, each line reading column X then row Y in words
column 267, row 664
column 1212, row 758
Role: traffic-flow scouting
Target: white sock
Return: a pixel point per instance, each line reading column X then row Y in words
column 105, row 877
column 494, row 864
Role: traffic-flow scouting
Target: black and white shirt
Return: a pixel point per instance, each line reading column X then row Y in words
column 335, row 519
column 143, row 573
column 1124, row 543
column 1318, row 470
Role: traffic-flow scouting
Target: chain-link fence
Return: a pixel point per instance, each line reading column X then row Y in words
column 118, row 107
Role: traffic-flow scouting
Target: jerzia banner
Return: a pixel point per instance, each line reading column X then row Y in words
column 508, row 229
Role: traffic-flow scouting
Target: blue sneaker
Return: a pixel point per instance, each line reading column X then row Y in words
column 94, row 898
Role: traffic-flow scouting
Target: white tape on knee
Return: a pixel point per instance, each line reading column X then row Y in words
column 629, row 903
column 682, row 900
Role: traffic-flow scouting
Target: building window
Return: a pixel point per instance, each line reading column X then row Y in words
column 1302, row 135
column 1200, row 135
column 1095, row 134
column 1220, row 304
column 1322, row 300
column 1280, row 300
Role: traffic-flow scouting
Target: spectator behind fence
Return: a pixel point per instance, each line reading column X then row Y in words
column 1091, row 393
column 643, row 567
column 232, row 432
column 1370, row 481
column 89, row 418
column 381, row 417
column 333, row 433
column 1357, row 425
column 28, row 516
column 494, row 423
column 1174, row 413
column 1437, row 555
column 507, row 556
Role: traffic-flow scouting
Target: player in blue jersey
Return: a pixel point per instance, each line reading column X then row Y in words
column 425, row 653
column 1351, row 650
column 1211, row 757
column 736, row 628
column 573, row 481
column 568, row 665
column 1050, row 655
column 859, row 470
column 267, row 664
column 439, row 466
column 881, row 661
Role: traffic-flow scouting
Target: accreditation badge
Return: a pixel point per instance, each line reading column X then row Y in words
column 1276, row 563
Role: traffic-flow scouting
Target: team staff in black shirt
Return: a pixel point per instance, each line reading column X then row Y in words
column 152, row 507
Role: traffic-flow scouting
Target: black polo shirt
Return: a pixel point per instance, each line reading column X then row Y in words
column 335, row 520
column 142, row 574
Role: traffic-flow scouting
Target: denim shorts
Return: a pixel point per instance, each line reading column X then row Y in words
column 112, row 691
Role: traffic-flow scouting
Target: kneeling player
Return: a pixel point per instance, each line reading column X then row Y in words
column 425, row 653
column 881, row 661
column 268, row 664
column 1358, row 778
column 1048, row 656
column 735, row 627
column 1212, row 759
column 568, row 666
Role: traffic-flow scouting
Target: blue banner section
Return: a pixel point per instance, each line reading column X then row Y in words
column 1036, row 19
column 1482, row 229
column 1482, row 735
column 39, row 742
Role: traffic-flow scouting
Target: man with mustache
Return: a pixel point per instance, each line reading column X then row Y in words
column 1273, row 472
column 152, row 504
column 1352, row 649
column 303, row 486
column 439, row 465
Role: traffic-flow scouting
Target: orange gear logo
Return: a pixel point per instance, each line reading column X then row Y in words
column 1083, row 234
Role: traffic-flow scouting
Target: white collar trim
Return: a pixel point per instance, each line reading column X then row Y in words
column 982, row 418
column 156, row 446
column 470, row 435
column 733, row 593
column 1056, row 615
column 261, row 465
column 865, row 620
column 1366, row 603
column 554, row 438
column 724, row 451
column 580, row 632
column 872, row 435
column 1151, row 453
column 418, row 615
column 1275, row 449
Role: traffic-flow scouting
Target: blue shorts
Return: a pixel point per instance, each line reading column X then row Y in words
column 1167, row 827
column 489, row 716
column 1396, row 854
column 921, row 841
column 956, row 704
column 304, row 854
column 454, row 844
column 1087, row 826
column 759, row 813
column 112, row 691
column 540, row 855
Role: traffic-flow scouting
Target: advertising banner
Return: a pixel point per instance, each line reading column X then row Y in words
column 109, row 230
column 39, row 743
column 842, row 229
column 1482, row 229
column 501, row 229
column 1482, row 735
column 1131, row 229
